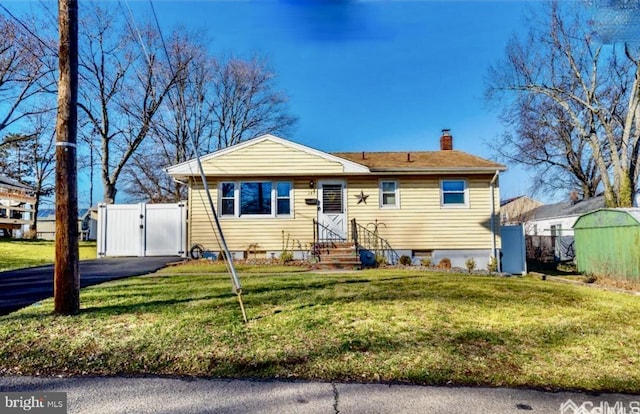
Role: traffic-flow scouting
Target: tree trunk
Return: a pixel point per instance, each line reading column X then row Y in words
column 33, row 227
column 110, row 191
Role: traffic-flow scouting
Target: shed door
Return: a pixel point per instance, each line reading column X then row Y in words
column 332, row 212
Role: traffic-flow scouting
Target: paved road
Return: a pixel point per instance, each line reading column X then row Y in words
column 20, row 288
column 168, row 396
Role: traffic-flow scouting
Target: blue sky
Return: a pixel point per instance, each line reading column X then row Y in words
column 366, row 75
column 371, row 75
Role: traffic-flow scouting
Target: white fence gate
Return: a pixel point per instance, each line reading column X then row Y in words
column 142, row 229
column 514, row 255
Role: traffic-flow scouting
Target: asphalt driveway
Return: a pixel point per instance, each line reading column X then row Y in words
column 22, row 287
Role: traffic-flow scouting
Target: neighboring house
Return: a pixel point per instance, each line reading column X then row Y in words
column 558, row 219
column 269, row 192
column 16, row 205
column 517, row 210
column 87, row 224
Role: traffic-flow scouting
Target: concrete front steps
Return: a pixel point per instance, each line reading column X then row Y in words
column 338, row 256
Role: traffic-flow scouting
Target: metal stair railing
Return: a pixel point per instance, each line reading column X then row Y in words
column 365, row 239
column 324, row 237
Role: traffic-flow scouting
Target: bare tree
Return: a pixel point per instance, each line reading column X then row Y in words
column 184, row 121
column 124, row 83
column 217, row 104
column 542, row 138
column 30, row 158
column 591, row 89
column 42, row 156
column 245, row 102
column 27, row 72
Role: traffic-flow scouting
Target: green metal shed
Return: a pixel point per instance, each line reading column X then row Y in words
column 607, row 243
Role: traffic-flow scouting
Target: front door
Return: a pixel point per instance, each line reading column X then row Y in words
column 331, row 213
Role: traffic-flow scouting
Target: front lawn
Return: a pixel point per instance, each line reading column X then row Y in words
column 376, row 325
column 16, row 254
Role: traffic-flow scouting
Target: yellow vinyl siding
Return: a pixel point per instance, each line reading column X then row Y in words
column 420, row 222
column 240, row 232
column 270, row 158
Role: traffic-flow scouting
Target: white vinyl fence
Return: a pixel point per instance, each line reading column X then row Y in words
column 142, row 229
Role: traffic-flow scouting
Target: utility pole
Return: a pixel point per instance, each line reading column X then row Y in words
column 66, row 274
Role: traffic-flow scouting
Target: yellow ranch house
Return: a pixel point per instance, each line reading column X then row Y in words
column 273, row 195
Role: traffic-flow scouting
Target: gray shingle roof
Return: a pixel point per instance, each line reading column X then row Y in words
column 11, row 183
column 50, row 213
column 567, row 208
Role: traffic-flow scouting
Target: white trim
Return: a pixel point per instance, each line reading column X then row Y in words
column 237, row 184
column 381, row 194
column 465, row 192
column 189, row 168
column 345, row 200
column 290, row 197
column 235, row 199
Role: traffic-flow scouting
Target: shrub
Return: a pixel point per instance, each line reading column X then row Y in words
column 470, row 263
column 405, row 260
column 493, row 264
column 286, row 256
column 444, row 263
column 380, row 260
column 568, row 267
column 590, row 278
column 426, row 261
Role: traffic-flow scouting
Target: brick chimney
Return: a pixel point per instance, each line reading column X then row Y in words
column 446, row 140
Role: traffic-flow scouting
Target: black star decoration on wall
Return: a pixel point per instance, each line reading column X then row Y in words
column 362, row 198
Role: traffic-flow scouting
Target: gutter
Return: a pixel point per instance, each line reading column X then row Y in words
column 177, row 180
column 493, row 213
column 373, row 171
column 435, row 170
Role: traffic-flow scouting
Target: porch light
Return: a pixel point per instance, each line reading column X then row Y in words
column 311, row 184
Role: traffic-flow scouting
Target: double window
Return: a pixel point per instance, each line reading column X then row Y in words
column 255, row 198
column 389, row 195
column 453, row 193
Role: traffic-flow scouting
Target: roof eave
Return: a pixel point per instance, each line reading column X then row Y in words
column 372, row 171
column 444, row 170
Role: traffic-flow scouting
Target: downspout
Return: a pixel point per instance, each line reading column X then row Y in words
column 494, row 250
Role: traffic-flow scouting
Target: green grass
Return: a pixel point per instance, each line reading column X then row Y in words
column 16, row 254
column 211, row 266
column 378, row 325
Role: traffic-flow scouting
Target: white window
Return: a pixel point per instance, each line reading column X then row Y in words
column 255, row 198
column 389, row 194
column 227, row 199
column 453, row 193
column 556, row 230
column 283, row 198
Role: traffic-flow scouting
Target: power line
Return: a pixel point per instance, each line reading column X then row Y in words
column 134, row 28
column 237, row 287
column 25, row 27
